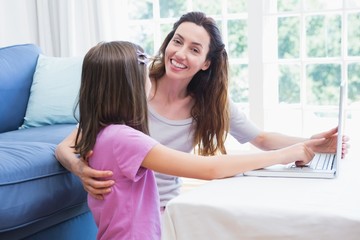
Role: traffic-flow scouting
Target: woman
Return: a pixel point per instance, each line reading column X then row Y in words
column 189, row 106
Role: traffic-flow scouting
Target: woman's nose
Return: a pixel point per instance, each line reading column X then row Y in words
column 181, row 53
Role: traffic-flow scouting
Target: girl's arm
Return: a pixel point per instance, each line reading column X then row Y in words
column 165, row 160
column 88, row 176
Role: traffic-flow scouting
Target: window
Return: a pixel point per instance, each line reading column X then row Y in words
column 316, row 47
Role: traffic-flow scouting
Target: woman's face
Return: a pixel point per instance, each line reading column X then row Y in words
column 186, row 52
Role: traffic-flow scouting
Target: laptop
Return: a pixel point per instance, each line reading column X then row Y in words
column 323, row 165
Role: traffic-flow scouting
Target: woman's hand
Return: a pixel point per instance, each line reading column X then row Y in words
column 300, row 153
column 92, row 179
column 330, row 142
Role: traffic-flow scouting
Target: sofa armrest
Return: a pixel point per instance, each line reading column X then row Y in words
column 17, row 67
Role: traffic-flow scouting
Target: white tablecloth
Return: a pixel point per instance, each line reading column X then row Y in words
column 269, row 208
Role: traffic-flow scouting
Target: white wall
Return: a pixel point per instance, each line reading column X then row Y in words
column 18, row 22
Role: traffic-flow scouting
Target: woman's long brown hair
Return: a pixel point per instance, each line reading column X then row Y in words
column 112, row 91
column 209, row 88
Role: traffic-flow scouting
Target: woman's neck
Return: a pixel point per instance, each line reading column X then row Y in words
column 170, row 99
column 170, row 89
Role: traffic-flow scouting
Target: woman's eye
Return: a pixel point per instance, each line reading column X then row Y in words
column 176, row 41
column 195, row 50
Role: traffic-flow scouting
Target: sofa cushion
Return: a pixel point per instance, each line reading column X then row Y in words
column 54, row 91
column 33, row 185
column 17, row 66
column 48, row 134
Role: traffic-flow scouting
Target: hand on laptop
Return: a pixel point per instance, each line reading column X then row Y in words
column 301, row 153
column 330, row 142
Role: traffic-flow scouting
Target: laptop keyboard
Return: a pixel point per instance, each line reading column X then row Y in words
column 322, row 161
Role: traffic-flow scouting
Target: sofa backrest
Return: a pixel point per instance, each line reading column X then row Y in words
column 17, row 67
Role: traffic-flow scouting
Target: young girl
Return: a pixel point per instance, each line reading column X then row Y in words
column 114, row 124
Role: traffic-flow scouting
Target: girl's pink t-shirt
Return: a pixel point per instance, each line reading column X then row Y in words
column 131, row 210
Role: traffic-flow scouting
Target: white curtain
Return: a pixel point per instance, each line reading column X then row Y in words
column 62, row 27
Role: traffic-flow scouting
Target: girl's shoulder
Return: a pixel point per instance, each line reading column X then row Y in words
column 121, row 130
column 122, row 133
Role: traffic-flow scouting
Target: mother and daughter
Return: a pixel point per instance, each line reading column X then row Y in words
column 137, row 128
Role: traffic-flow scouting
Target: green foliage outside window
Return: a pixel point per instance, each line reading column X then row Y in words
column 236, row 6
column 354, row 82
column 288, row 5
column 144, row 36
column 323, row 36
column 239, row 84
column 237, row 34
column 354, row 34
column 165, row 29
column 289, row 84
column 316, row 5
column 172, row 8
column 140, row 9
column 323, row 81
column 289, row 37
column 210, row 7
column 323, row 40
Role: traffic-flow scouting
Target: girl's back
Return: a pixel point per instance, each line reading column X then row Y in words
column 131, row 210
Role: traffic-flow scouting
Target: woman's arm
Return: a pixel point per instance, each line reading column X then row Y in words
column 242, row 129
column 165, row 160
column 66, row 156
column 272, row 141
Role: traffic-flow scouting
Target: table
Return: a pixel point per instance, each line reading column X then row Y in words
column 246, row 207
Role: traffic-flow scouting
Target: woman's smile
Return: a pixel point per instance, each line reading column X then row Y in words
column 177, row 64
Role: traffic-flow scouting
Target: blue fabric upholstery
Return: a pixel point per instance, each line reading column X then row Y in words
column 75, row 223
column 17, row 66
column 54, row 91
column 48, row 134
column 33, row 184
column 81, row 227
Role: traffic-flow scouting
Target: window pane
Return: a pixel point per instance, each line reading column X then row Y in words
column 236, row 6
column 288, row 5
column 289, row 83
column 237, row 35
column 210, row 7
column 172, row 8
column 164, row 30
column 322, row 4
column 143, row 35
column 239, row 85
column 354, row 83
column 317, row 121
column 352, row 3
column 323, row 81
column 219, row 25
column 354, row 34
column 289, row 37
column 287, row 120
column 140, row 9
column 323, row 36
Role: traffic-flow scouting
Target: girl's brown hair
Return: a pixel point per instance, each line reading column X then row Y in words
column 112, row 91
column 209, row 88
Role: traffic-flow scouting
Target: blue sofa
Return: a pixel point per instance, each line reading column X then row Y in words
column 39, row 199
